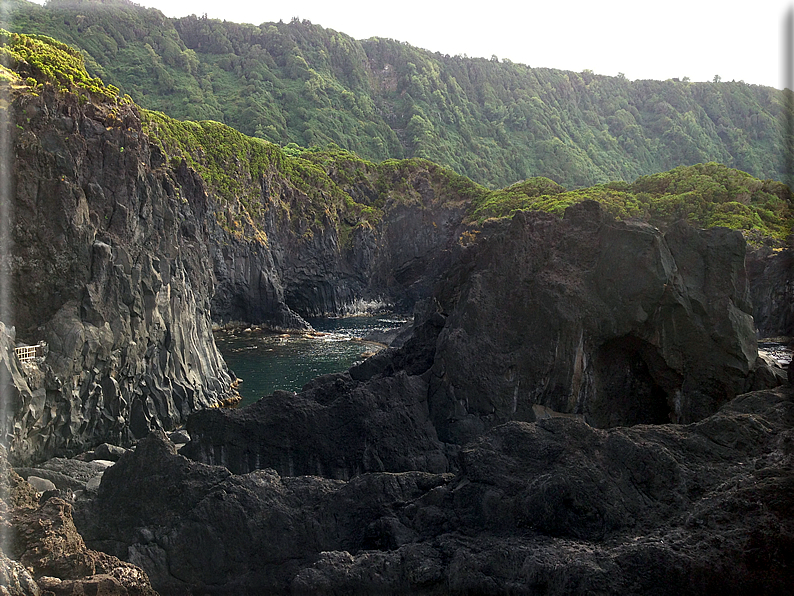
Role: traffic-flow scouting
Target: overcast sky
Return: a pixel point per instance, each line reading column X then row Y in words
column 736, row 40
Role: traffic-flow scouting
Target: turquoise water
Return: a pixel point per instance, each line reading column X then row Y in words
column 266, row 362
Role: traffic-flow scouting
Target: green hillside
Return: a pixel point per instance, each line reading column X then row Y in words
column 496, row 122
column 246, row 174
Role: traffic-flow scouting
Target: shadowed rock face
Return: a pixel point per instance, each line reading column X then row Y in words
column 771, row 275
column 614, row 321
column 119, row 261
column 554, row 506
column 374, row 418
column 423, row 469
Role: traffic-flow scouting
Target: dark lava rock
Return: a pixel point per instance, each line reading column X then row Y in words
column 771, row 276
column 374, row 418
column 108, row 452
column 554, row 506
column 46, row 555
column 613, row 321
column 336, row 428
column 233, row 532
column 66, row 474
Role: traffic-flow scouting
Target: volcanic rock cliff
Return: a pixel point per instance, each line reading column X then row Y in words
column 110, row 269
column 567, row 416
column 771, row 276
column 120, row 263
column 612, row 322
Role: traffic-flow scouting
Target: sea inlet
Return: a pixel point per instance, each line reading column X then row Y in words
column 267, row 361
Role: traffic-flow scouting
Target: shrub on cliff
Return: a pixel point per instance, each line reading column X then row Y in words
column 705, row 195
column 40, row 60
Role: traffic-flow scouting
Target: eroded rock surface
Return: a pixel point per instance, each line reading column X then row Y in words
column 45, row 554
column 771, row 275
column 373, row 418
column 554, row 506
column 612, row 322
column 121, row 264
column 110, row 269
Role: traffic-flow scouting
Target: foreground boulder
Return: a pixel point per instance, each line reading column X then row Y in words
column 554, row 506
column 45, row 554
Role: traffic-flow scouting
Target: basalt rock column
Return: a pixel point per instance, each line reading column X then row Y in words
column 111, row 268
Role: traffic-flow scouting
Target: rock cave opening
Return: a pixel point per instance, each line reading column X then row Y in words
column 629, row 385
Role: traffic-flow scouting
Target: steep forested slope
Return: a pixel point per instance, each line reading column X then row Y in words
column 496, row 122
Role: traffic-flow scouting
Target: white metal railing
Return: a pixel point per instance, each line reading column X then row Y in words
column 27, row 353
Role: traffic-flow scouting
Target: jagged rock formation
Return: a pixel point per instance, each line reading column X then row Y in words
column 372, row 419
column 554, row 506
column 110, row 268
column 123, row 252
column 120, row 262
column 310, row 272
column 475, row 458
column 613, row 321
column 610, row 321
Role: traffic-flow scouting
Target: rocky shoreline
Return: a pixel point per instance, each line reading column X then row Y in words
column 578, row 406
column 553, row 505
column 404, row 476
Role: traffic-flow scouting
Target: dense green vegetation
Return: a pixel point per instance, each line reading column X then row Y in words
column 41, row 60
column 705, row 195
column 312, row 187
column 494, row 121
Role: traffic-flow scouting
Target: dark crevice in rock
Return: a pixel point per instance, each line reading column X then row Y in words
column 626, row 390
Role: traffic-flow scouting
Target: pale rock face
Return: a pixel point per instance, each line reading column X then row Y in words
column 104, row 274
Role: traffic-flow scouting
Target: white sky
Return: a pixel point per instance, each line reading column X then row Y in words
column 676, row 38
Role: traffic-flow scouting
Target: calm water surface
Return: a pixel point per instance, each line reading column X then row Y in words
column 267, row 362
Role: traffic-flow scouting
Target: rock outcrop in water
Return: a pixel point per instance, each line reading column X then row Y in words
column 311, row 272
column 613, row 321
column 374, row 418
